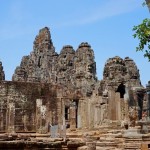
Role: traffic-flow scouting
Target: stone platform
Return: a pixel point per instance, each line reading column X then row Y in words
column 98, row 139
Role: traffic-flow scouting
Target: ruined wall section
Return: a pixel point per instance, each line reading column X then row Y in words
column 2, row 74
column 20, row 110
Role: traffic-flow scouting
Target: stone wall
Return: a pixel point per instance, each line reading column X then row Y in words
column 26, row 107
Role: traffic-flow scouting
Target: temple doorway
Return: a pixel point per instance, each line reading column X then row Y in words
column 121, row 90
column 71, row 113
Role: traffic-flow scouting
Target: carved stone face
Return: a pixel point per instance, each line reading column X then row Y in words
column 114, row 68
column 91, row 68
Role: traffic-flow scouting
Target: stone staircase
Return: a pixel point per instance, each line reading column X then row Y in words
column 133, row 143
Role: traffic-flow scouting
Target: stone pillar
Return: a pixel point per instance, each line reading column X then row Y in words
column 11, row 117
column 84, row 117
column 82, row 113
column 126, row 103
column 91, row 114
column 38, row 115
column 61, row 117
column 1, row 120
column 148, row 96
column 41, row 125
column 118, row 106
column 140, row 96
column 112, row 105
column 2, row 117
column 73, row 115
column 63, row 112
column 79, row 124
column 96, row 116
column 126, row 109
column 88, row 111
column 59, row 113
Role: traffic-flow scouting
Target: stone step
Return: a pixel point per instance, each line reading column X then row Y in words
column 132, row 146
column 107, row 148
column 64, row 147
column 106, row 144
column 74, row 135
column 133, row 140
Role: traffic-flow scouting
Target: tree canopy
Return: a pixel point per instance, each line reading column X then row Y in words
column 142, row 32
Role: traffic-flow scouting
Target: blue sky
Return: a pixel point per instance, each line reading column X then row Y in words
column 105, row 25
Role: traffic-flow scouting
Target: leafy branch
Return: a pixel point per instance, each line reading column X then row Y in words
column 142, row 32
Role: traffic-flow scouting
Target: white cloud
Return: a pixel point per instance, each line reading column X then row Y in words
column 109, row 9
column 20, row 22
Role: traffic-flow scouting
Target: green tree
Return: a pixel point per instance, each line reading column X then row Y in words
column 142, row 32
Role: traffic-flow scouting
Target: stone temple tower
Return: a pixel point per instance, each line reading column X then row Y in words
column 119, row 70
column 74, row 69
column 2, row 74
column 39, row 65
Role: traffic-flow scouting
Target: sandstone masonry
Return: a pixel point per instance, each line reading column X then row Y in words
column 48, row 88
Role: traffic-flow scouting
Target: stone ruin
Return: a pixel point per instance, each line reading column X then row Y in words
column 73, row 69
column 62, row 89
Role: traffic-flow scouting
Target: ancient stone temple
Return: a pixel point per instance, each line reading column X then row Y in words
column 62, row 90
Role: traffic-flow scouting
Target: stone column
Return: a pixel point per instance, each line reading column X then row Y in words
column 11, row 117
column 63, row 112
column 96, row 116
column 126, row 103
column 84, row 114
column 2, row 117
column 86, row 117
column 59, row 112
column 148, row 96
column 112, row 105
column 73, row 115
column 118, row 106
column 91, row 114
column 41, row 125
column 38, row 115
column 140, row 96
column 126, row 110
column 79, row 124
column 60, row 115
column 88, row 112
